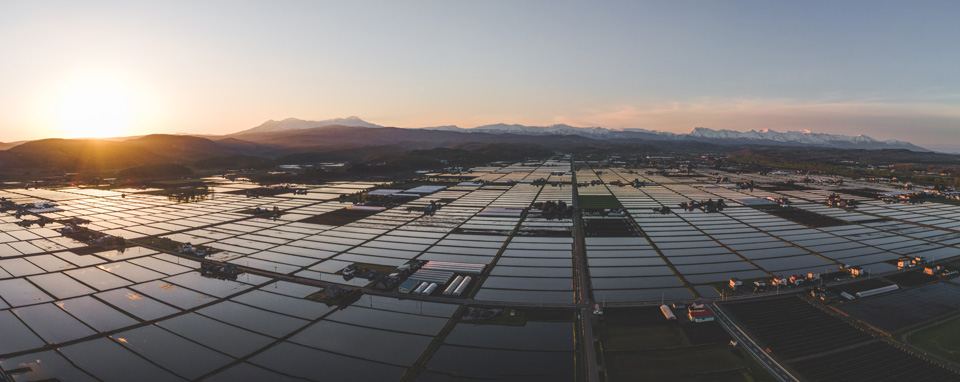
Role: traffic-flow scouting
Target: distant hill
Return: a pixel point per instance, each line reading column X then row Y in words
column 290, row 142
column 352, row 136
column 299, row 124
column 251, row 149
column 76, row 154
column 7, row 145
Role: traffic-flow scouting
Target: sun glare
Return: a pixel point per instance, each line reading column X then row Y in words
column 94, row 109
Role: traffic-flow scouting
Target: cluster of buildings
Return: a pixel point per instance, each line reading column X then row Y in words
column 928, row 269
column 705, row 206
column 918, row 196
column 591, row 183
column 696, row 312
column 797, row 280
column 636, row 183
column 381, row 281
column 662, row 210
column 911, row 262
column 228, row 271
column 853, row 271
column 781, row 201
column 776, row 281
column 28, row 208
column 939, row 271
column 835, row 200
column 73, row 230
column 836, row 181
column 824, row 294
column 428, row 277
column 189, row 249
column 944, row 194
column 699, row 313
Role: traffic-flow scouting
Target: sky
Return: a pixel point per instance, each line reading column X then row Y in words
column 887, row 69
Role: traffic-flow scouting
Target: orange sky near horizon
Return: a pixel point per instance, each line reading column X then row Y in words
column 112, row 68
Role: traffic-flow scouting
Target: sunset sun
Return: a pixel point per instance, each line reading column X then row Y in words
column 95, row 109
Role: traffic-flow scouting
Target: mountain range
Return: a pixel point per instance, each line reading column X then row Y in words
column 357, row 141
column 700, row 134
column 299, row 124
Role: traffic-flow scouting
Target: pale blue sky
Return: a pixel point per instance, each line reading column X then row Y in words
column 888, row 69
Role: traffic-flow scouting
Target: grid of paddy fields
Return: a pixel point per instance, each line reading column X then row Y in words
column 687, row 253
column 70, row 314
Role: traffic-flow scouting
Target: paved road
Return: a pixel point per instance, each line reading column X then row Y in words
column 583, row 295
column 745, row 342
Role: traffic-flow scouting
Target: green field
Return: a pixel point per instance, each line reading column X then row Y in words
column 640, row 344
column 599, row 202
column 629, row 338
column 716, row 362
column 940, row 339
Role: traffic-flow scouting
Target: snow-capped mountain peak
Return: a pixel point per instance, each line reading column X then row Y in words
column 299, row 124
column 803, row 137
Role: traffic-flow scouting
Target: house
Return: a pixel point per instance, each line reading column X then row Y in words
column 388, row 283
column 408, row 285
column 905, row 262
column 829, row 297
column 734, row 283
column 835, row 200
column 855, row 270
column 824, row 294
column 349, row 270
column 935, row 270
column 695, row 307
column 700, row 316
column 778, row 281
column 908, row 262
column 597, row 309
column 797, row 280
